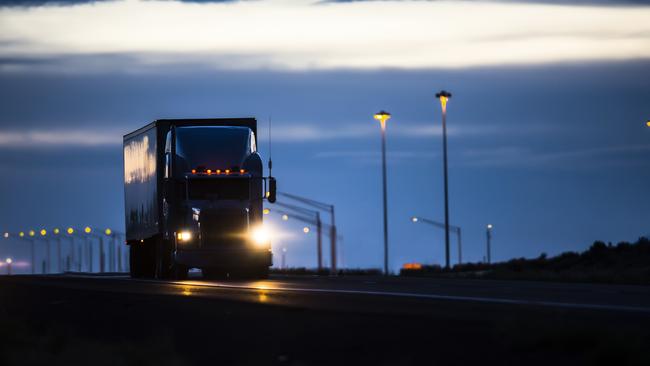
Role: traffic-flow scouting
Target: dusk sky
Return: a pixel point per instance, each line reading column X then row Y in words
column 547, row 124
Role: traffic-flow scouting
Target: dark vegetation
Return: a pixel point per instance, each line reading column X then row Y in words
column 624, row 263
column 302, row 271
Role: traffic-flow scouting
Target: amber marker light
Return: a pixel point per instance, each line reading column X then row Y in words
column 218, row 171
column 209, row 171
column 242, row 171
column 193, row 171
column 227, row 171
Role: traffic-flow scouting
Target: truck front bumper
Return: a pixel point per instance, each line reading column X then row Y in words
column 224, row 258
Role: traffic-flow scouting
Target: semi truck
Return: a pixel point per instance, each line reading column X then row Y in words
column 193, row 194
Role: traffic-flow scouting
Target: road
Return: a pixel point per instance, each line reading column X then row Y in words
column 294, row 320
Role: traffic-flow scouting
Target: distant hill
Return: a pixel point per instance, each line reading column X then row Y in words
column 602, row 262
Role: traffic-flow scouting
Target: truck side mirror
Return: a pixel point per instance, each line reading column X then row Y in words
column 272, row 190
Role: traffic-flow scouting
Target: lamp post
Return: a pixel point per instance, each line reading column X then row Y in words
column 444, row 97
column 32, row 233
column 488, row 233
column 332, row 229
column 46, row 268
column 8, row 261
column 382, row 117
column 56, row 232
column 71, row 255
column 416, row 219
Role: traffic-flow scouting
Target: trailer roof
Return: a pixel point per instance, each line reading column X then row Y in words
column 237, row 122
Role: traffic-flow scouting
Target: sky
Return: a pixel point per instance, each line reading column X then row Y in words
column 547, row 134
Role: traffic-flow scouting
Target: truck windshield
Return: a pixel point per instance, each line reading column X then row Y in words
column 212, row 147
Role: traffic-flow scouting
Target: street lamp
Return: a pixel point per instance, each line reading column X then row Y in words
column 444, row 97
column 457, row 229
column 8, row 261
column 648, row 123
column 382, row 117
column 305, row 229
column 285, row 217
column 31, row 234
column 489, row 240
column 46, row 267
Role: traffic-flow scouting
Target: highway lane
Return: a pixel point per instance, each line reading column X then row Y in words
column 517, row 293
column 321, row 320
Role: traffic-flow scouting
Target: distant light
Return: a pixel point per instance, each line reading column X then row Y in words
column 43, row 232
column 9, row 260
column 227, row 171
column 6, row 235
column 87, row 230
column 267, row 194
column 218, row 171
column 108, row 231
column 209, row 171
column 412, row 266
column 56, row 231
column 414, row 219
column 70, row 231
column 285, row 217
column 266, row 211
column 305, row 229
column 21, row 234
column 489, row 226
column 647, row 123
column 284, row 250
column 32, row 233
column 242, row 171
column 193, row 171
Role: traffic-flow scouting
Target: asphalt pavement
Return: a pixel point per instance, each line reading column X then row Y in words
column 303, row 320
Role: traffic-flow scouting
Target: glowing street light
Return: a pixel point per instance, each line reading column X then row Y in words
column 6, row 235
column 457, row 229
column 8, row 261
column 70, row 231
column 305, row 230
column 382, row 117
column 43, row 232
column 87, row 230
column 32, row 233
column 285, row 217
column 108, row 232
column 21, row 234
column 414, row 219
column 444, row 97
column 648, row 123
column 266, row 211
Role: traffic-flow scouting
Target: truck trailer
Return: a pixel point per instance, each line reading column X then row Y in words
column 193, row 194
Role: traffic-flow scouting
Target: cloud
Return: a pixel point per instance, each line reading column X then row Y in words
column 58, row 138
column 526, row 156
column 307, row 35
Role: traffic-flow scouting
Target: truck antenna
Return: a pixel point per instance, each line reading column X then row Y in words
column 270, row 160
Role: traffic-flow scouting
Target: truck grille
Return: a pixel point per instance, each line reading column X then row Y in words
column 219, row 228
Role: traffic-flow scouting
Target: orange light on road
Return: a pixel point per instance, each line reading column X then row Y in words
column 242, row 171
column 209, row 171
column 218, row 171
column 227, row 171
column 193, row 171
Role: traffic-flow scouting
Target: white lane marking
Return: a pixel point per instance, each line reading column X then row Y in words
column 425, row 296
column 492, row 300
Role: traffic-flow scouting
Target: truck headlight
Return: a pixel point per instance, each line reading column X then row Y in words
column 184, row 236
column 260, row 236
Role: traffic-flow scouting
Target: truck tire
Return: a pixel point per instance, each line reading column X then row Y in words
column 166, row 268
